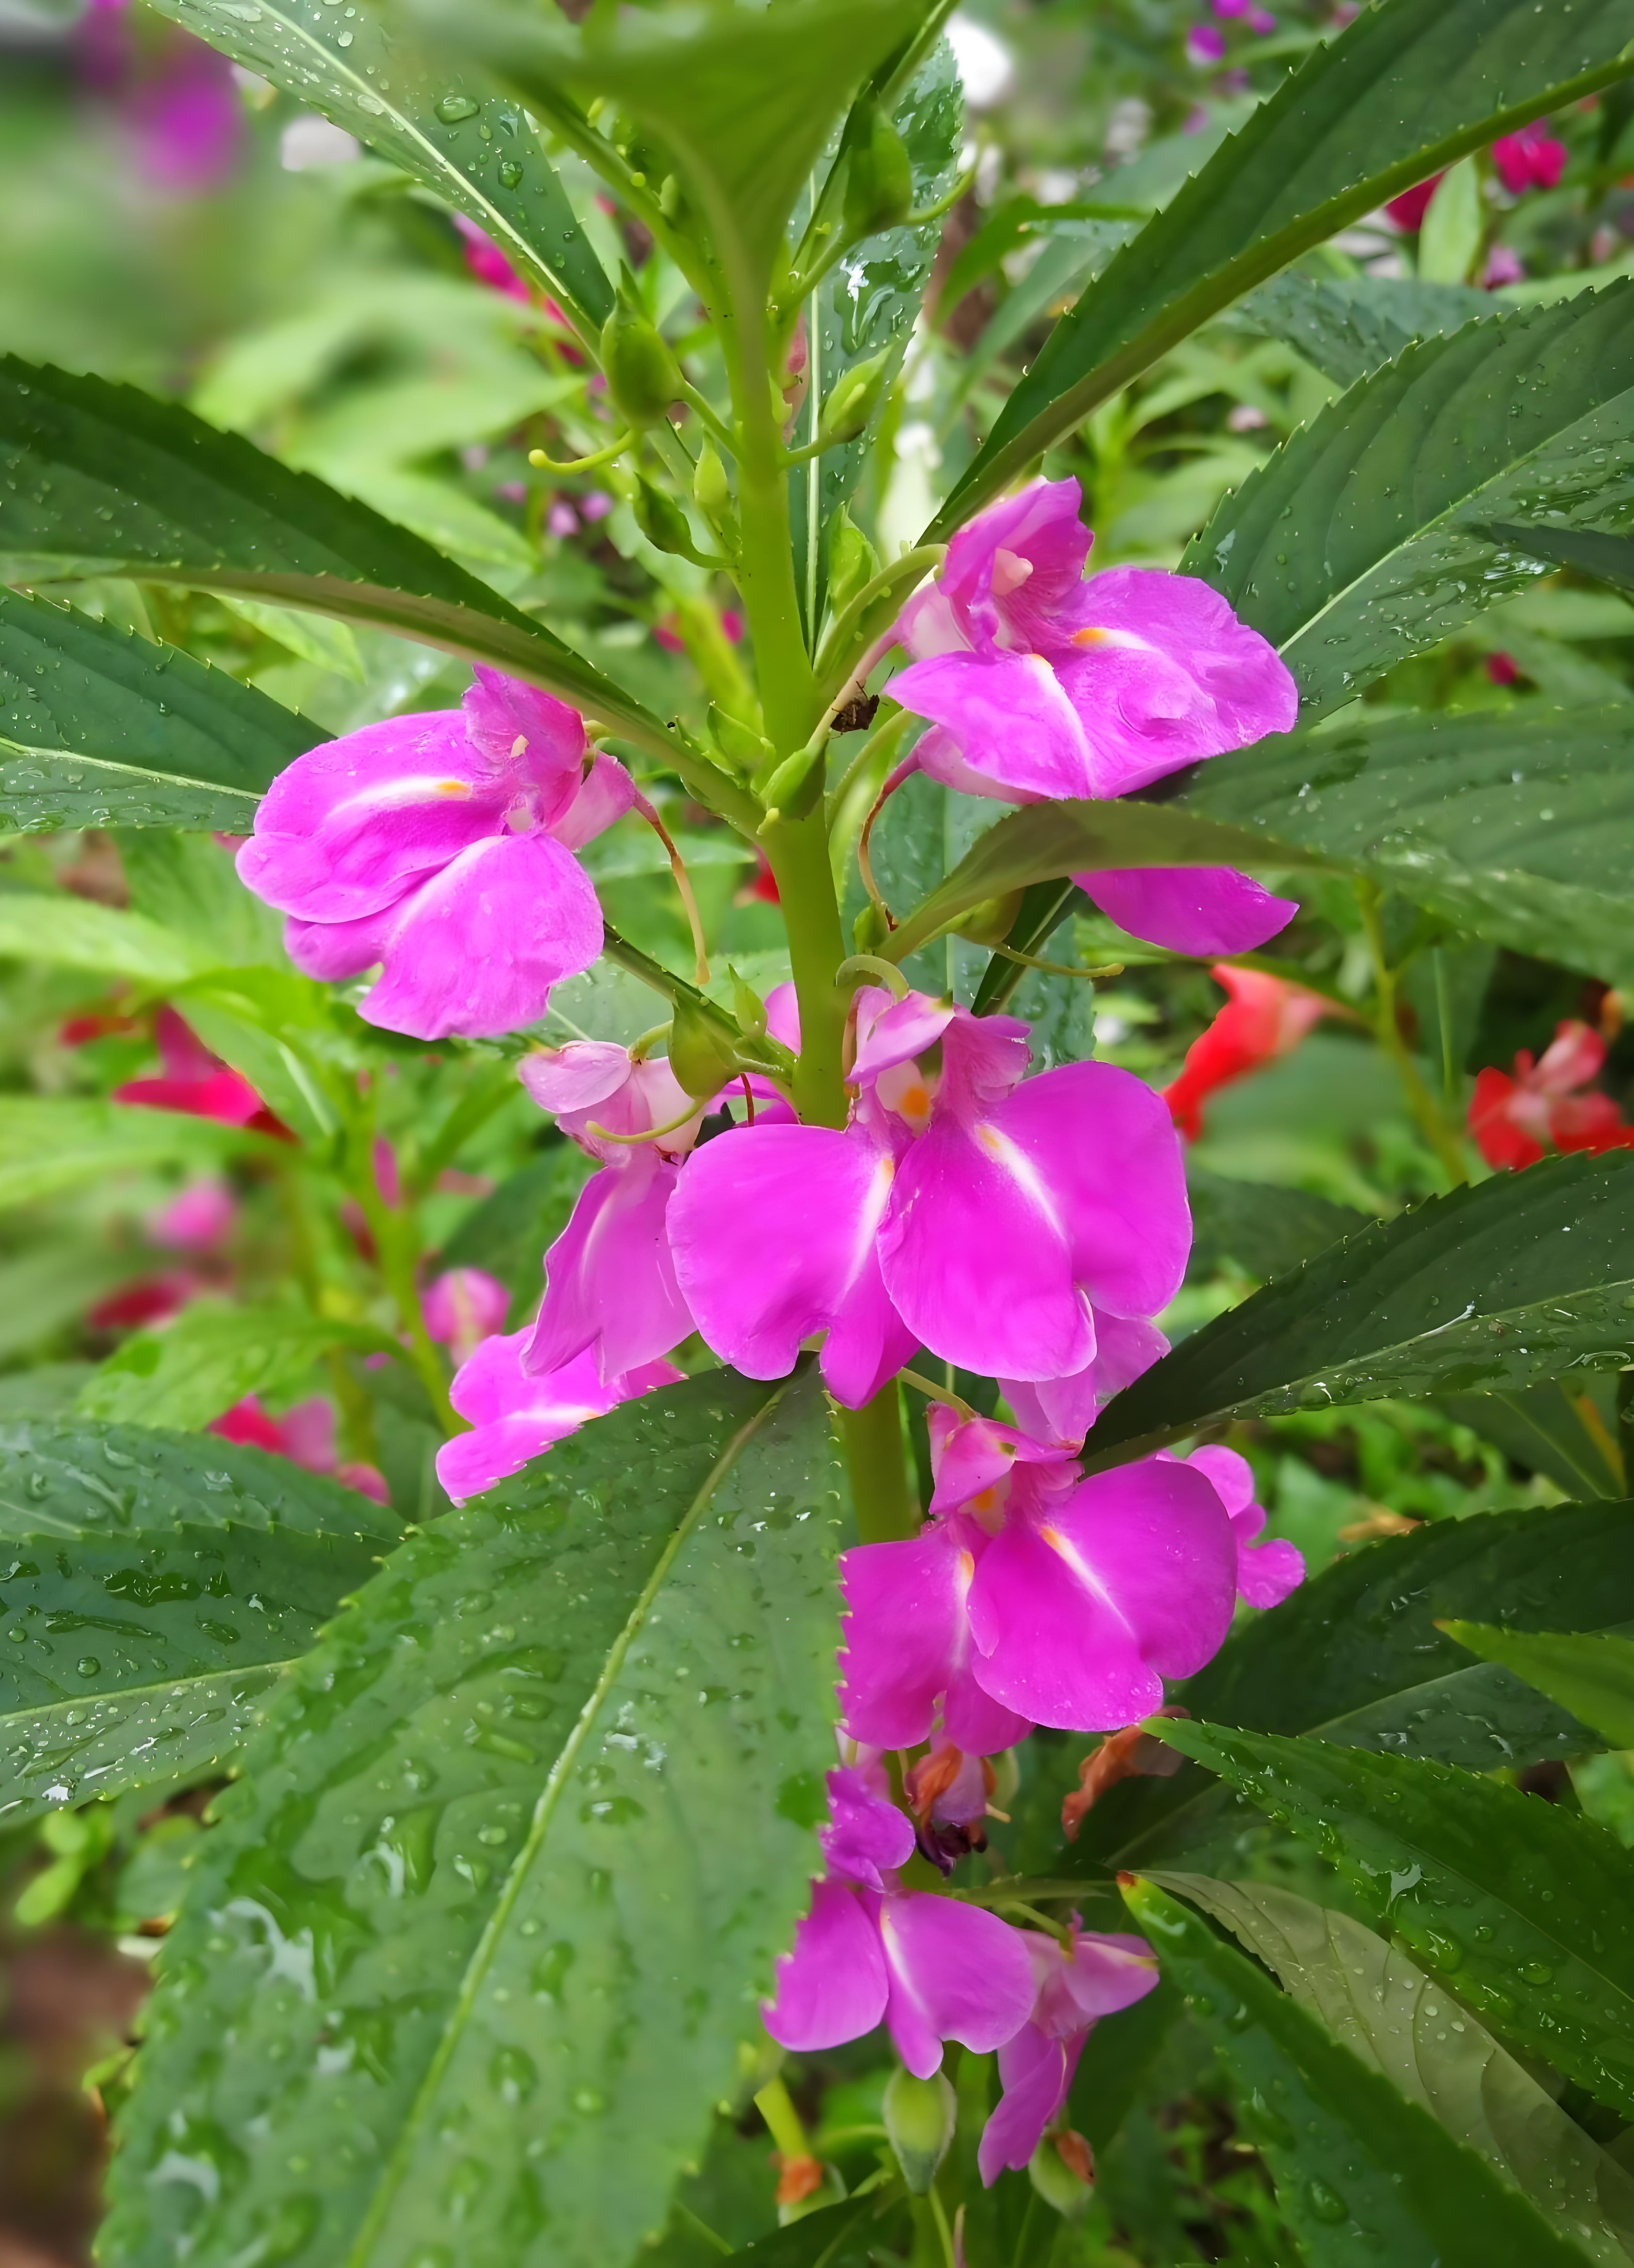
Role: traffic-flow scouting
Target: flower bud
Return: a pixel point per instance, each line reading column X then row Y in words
column 795, row 786
column 920, row 2115
column 1062, row 2171
column 870, row 929
column 748, row 1007
column 879, row 178
column 700, row 1052
column 662, row 520
column 855, row 400
column 853, row 562
column 990, row 923
column 711, row 491
column 734, row 739
column 643, row 376
column 672, row 199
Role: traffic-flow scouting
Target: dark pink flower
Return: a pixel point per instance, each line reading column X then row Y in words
column 987, row 1217
column 1204, row 46
column 305, row 1434
column 463, row 1306
column 195, row 1082
column 486, row 263
column 1409, row 210
column 1097, row 1976
column 1039, row 684
column 440, row 847
column 198, row 1218
column 1266, row 1573
column 1503, row 267
column 515, row 1416
column 1530, row 159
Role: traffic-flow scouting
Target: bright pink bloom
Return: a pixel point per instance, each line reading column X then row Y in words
column 463, row 1306
column 1266, row 1573
column 1204, row 46
column 305, row 1434
column 1098, row 1978
column 1502, row 667
column 610, row 1281
column 1034, row 1595
column 1548, row 1103
column 440, row 846
column 1266, row 1017
column 486, row 263
column 201, row 1215
column 195, row 1080
column 932, row 1969
column 1503, row 267
column 989, row 1219
column 1039, row 684
column 515, row 1416
column 561, row 519
column 1530, row 159
column 1409, row 210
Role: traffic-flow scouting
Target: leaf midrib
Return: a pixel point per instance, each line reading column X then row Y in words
column 482, row 1957
column 8, row 749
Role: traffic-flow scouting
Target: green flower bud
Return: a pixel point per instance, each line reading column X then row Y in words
column 748, row 1006
column 672, row 199
column 870, row 929
column 701, row 1054
column 920, row 2115
column 739, row 741
column 711, row 491
column 853, row 562
column 643, row 376
column 795, row 786
column 879, row 178
column 855, row 400
column 1062, row 2171
column 662, row 520
column 990, row 921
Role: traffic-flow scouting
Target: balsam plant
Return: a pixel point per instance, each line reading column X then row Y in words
column 848, row 1413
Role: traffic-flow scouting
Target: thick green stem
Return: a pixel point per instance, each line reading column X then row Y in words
column 876, row 1461
column 798, row 851
column 1441, row 1137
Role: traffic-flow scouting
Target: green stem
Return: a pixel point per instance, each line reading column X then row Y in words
column 939, row 2212
column 357, row 1412
column 776, row 2107
column 877, row 1466
column 1421, row 1103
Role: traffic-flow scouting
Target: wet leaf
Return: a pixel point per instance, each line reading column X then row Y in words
column 1368, row 536
column 1591, row 1675
column 514, row 1824
column 212, row 1356
column 1262, row 1230
column 1549, row 1428
column 1528, row 1277
column 1526, row 1907
column 1399, row 2022
column 1360, row 2171
column 130, row 1658
column 1402, row 92
column 99, row 728
column 1349, row 326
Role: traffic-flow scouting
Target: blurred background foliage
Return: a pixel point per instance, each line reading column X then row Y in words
column 173, row 220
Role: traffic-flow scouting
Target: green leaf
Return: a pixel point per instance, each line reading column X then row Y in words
column 99, row 728
column 1592, row 1676
column 66, row 932
column 1450, row 237
column 1404, row 92
column 838, row 2237
column 1527, row 1907
column 1608, row 558
column 67, row 1477
column 1367, row 536
column 310, row 637
column 1265, row 1230
column 1549, row 1430
column 1360, row 2171
column 1397, row 2021
column 49, row 1143
column 1528, row 1277
column 128, row 1658
column 1349, row 326
column 102, row 480
column 1508, row 826
column 211, row 1357
column 449, row 131
column 1358, row 1656
column 518, row 1846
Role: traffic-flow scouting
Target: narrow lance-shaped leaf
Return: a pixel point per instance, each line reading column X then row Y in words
column 1352, row 326
column 513, row 1857
column 1403, row 91
column 1526, row 1277
column 1591, row 1675
column 1360, row 2171
column 97, row 728
column 135, row 1658
column 480, row 152
column 1608, row 558
column 1528, row 1908
column 1399, row 2022
column 1367, row 535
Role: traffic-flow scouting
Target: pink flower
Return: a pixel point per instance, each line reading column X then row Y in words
column 440, row 846
column 989, row 1219
column 1503, row 267
column 515, row 1415
column 196, row 1218
column 1409, row 210
column 1039, row 684
column 463, row 1306
column 1530, row 159
column 1265, row 1017
column 932, row 1969
column 1266, row 1573
column 1549, row 1103
column 486, row 262
column 1040, row 1597
column 1097, row 1977
column 610, row 1281
column 195, row 1082
column 303, row 1434
column 1204, row 46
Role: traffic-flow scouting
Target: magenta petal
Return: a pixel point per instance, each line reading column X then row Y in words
column 1079, row 1614
column 1267, row 1573
column 956, row 1973
column 608, row 1279
column 890, row 1031
column 831, row 1988
column 773, row 1231
column 334, row 951
column 1107, row 1972
column 476, row 950
column 1061, row 1411
column 576, row 1077
column 866, row 1836
column 1036, row 2072
column 903, row 1634
column 1201, row 909
column 500, row 711
column 606, row 795
column 1007, row 716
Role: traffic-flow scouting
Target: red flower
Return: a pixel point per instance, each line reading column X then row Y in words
column 304, row 1435
column 198, row 1083
column 1548, row 1104
column 1266, row 1017
column 1531, row 160
column 1409, row 210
